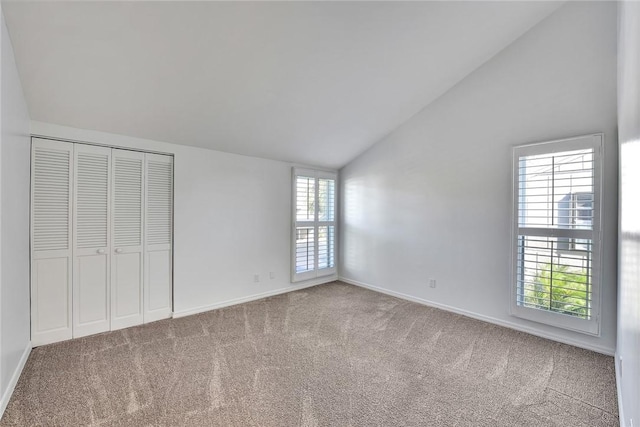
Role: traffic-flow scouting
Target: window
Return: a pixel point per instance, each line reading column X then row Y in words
column 556, row 255
column 314, row 224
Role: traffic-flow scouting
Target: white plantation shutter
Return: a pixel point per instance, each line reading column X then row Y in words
column 305, row 246
column 51, row 198
column 326, row 222
column 127, row 201
column 92, row 198
column 305, row 198
column 557, row 233
column 159, row 200
column 314, row 224
column 326, row 242
column 305, row 239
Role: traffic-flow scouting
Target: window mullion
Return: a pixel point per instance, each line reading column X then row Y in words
column 556, row 232
column 305, row 223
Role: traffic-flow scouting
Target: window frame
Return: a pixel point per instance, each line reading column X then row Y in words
column 316, row 223
column 588, row 326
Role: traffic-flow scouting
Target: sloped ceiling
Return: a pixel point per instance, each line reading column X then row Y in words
column 315, row 83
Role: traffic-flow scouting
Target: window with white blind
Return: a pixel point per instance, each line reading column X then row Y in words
column 314, row 224
column 556, row 255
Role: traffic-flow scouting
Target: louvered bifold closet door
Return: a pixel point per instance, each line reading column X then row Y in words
column 158, row 237
column 51, row 261
column 91, row 237
column 127, row 225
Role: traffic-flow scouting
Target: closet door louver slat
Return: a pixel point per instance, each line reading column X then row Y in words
column 159, row 201
column 51, row 199
column 92, row 175
column 127, row 201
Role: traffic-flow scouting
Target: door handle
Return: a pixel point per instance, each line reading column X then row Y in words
column 100, row 251
column 118, row 251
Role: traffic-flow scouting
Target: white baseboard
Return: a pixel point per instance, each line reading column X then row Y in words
column 488, row 319
column 293, row 287
column 6, row 396
column 623, row 420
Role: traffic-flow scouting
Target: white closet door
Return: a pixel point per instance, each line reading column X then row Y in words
column 91, row 239
column 51, row 201
column 158, row 237
column 126, row 237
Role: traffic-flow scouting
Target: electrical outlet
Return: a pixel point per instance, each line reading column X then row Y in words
column 432, row 283
column 272, row 275
column 256, row 278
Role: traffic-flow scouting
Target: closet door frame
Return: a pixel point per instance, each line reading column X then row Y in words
column 81, row 328
column 39, row 335
column 119, row 251
column 153, row 253
column 149, row 315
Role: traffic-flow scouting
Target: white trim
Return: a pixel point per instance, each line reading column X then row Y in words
column 315, row 173
column 6, row 396
column 623, row 420
column 564, row 144
column 97, row 144
column 551, row 336
column 254, row 297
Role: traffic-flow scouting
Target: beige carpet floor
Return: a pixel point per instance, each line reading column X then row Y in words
column 329, row 355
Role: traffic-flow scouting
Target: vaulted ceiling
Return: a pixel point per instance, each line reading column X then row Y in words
column 309, row 82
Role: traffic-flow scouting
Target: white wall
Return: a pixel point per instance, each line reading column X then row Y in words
column 433, row 199
column 628, row 350
column 232, row 220
column 14, row 223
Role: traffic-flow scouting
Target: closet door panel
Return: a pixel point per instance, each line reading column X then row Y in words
column 51, row 290
column 127, row 239
column 51, row 243
column 159, row 272
column 91, row 267
column 158, row 237
column 126, row 291
column 92, row 302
